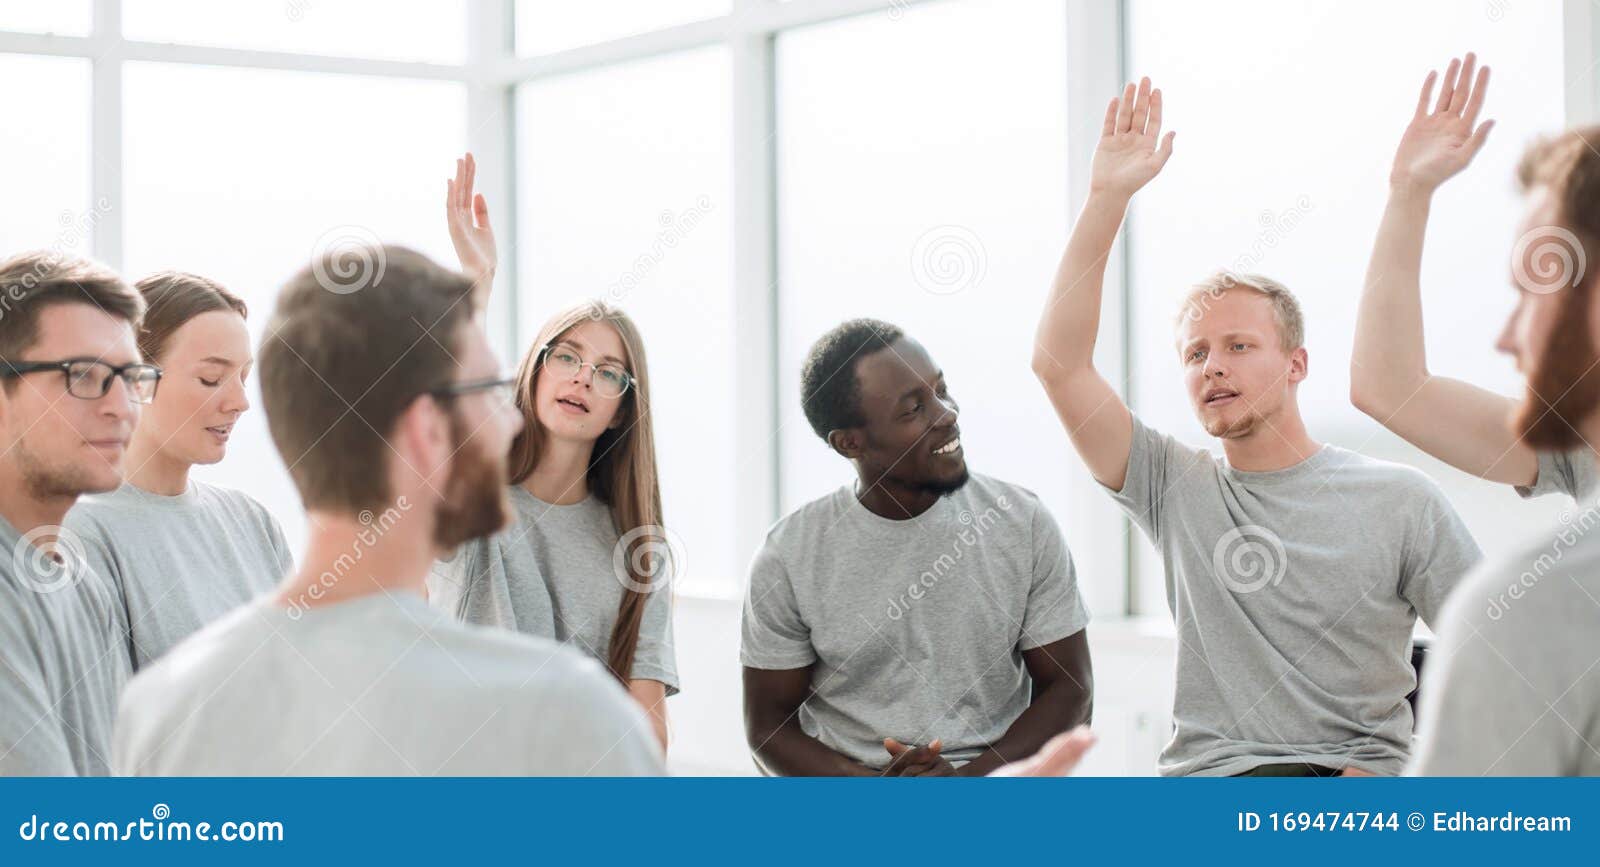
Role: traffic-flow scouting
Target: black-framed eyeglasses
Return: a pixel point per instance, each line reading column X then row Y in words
column 610, row 380
column 499, row 389
column 90, row 379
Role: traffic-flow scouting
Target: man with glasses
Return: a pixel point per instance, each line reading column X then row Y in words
column 71, row 383
column 387, row 404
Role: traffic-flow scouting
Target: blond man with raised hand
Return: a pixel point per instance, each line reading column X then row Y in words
column 1295, row 570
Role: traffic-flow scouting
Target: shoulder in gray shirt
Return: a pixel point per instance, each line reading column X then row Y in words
column 380, row 685
column 1513, row 684
column 552, row 572
column 62, row 662
column 178, row 563
column 1572, row 473
column 1295, row 593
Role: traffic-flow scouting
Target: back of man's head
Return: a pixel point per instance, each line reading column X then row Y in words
column 345, row 356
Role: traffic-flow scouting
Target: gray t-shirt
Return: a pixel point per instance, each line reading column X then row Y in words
column 178, row 563
column 552, row 572
column 62, row 662
column 916, row 627
column 1572, row 473
column 381, row 685
column 1295, row 593
column 1512, row 685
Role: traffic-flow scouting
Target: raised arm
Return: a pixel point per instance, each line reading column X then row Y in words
column 1458, row 423
column 467, row 215
column 1131, row 152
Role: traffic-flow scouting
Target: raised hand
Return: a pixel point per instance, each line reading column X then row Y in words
column 1131, row 149
column 1441, row 140
column 468, row 217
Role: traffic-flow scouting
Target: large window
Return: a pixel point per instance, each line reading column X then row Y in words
column 742, row 175
column 1281, row 165
column 44, row 156
column 922, row 180
column 625, row 176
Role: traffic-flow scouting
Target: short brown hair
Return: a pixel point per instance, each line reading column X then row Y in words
column 31, row 282
column 344, row 359
column 1569, row 166
column 1285, row 307
column 172, row 298
column 1563, row 384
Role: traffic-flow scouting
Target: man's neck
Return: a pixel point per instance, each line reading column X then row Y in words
column 347, row 558
column 26, row 511
column 1589, row 429
column 562, row 474
column 897, row 502
column 152, row 471
column 1275, row 444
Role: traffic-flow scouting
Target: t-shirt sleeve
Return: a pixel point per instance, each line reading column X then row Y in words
column 655, row 659
column 1155, row 464
column 1055, row 609
column 1572, row 473
column 1440, row 553
column 1481, row 713
column 280, row 544
column 774, row 634
column 32, row 741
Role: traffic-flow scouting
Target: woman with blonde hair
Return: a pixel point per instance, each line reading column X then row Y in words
column 580, row 561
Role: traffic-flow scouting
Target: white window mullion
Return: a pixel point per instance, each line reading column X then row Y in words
column 490, row 136
column 755, row 284
column 105, row 147
column 1095, row 72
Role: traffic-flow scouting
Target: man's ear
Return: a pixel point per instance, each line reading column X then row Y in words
column 1299, row 364
column 846, row 441
column 422, row 436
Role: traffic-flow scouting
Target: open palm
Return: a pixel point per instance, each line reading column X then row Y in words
column 1131, row 150
column 1441, row 141
column 468, row 216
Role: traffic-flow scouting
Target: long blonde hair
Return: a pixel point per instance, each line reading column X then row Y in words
column 622, row 469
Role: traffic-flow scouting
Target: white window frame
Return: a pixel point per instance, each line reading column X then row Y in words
column 493, row 71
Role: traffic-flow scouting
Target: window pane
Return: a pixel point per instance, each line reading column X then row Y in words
column 922, row 180
column 61, row 17
column 44, row 163
column 425, row 30
column 624, row 180
column 281, row 164
column 545, row 26
column 1281, row 166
